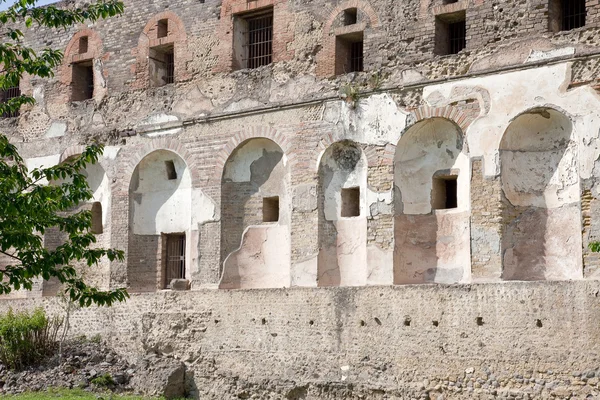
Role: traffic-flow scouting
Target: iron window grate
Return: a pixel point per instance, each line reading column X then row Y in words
column 573, row 14
column 259, row 41
column 457, row 33
column 175, row 258
column 8, row 94
column 170, row 66
column 356, row 57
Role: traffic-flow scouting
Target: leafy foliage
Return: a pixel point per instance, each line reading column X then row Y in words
column 105, row 380
column 25, row 338
column 28, row 207
column 595, row 247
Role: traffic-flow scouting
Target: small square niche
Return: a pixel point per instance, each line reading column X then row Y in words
column 351, row 202
column 171, row 171
column 271, row 209
column 444, row 194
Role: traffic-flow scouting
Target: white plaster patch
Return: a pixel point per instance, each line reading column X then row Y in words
column 343, row 179
column 159, row 125
column 375, row 120
column 238, row 166
column 539, row 55
column 515, row 92
column 428, row 147
column 56, row 129
column 161, row 204
column 377, row 197
column 111, row 152
column 203, row 208
column 42, row 162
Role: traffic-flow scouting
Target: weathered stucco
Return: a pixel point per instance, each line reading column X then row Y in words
column 375, row 198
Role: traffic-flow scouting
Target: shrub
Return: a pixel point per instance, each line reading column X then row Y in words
column 103, row 380
column 27, row 339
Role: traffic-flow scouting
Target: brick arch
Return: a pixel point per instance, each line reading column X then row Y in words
column 70, row 152
column 95, row 51
column 361, row 5
column 94, row 46
column 370, row 151
column 129, row 161
column 78, row 150
column 327, row 56
column 375, row 158
column 149, row 38
column 240, row 137
column 454, row 114
column 149, row 33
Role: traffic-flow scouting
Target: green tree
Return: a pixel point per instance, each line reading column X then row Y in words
column 28, row 207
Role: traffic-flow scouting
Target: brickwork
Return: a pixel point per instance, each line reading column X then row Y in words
column 486, row 224
column 249, row 134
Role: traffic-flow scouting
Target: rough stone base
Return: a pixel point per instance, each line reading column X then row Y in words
column 519, row 339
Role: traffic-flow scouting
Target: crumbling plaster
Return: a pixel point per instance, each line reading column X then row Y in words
column 512, row 94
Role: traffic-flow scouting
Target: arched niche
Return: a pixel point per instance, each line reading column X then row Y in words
column 342, row 203
column 98, row 183
column 431, row 203
column 541, row 237
column 160, row 202
column 255, row 217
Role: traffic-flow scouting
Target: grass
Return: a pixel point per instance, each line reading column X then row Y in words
column 72, row 394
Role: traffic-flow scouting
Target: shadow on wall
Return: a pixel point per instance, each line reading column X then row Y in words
column 542, row 202
column 159, row 203
column 255, row 217
column 342, row 239
column 431, row 192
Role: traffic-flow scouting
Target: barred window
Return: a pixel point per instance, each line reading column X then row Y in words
column 162, row 65
column 8, row 94
column 260, row 40
column 253, row 39
column 450, row 33
column 349, row 51
column 573, row 14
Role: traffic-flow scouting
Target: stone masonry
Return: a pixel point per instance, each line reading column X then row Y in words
column 347, row 199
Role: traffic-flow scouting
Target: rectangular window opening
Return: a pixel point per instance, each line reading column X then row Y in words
column 97, row 227
column 444, row 192
column 351, row 202
column 161, row 65
column 162, row 28
column 82, row 84
column 350, row 16
column 349, row 53
column 171, row 171
column 271, row 209
column 6, row 95
column 573, row 14
column 175, row 258
column 450, row 33
column 83, row 45
column 253, row 40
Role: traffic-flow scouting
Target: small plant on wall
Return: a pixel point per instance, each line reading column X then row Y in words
column 350, row 93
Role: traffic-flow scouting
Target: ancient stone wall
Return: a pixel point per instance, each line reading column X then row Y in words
column 480, row 166
column 525, row 340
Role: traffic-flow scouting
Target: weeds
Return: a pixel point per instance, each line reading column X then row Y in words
column 27, row 339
